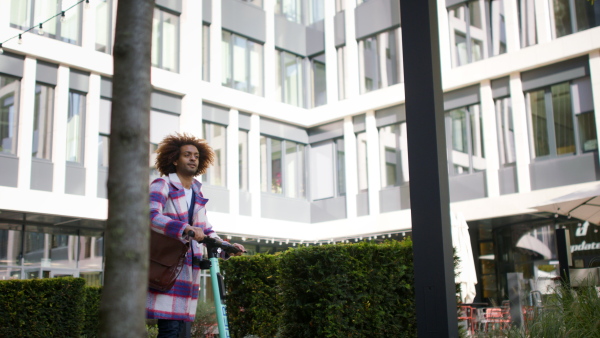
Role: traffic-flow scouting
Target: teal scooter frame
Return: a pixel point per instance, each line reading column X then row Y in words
column 212, row 247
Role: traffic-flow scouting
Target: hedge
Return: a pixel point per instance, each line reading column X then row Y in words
column 92, row 311
column 50, row 307
column 343, row 290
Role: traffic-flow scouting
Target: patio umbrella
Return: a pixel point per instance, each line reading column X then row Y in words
column 466, row 274
column 583, row 204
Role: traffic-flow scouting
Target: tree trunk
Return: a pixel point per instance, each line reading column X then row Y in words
column 122, row 309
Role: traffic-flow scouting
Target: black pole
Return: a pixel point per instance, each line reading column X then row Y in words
column 564, row 254
column 428, row 167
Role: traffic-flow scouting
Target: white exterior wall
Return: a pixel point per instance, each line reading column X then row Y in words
column 188, row 84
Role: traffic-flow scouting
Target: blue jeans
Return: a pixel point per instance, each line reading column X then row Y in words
column 172, row 329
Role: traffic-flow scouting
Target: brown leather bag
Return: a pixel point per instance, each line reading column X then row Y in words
column 167, row 258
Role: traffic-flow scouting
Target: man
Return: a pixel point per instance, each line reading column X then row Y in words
column 173, row 199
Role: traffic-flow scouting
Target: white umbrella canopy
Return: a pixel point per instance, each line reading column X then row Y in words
column 583, row 204
column 466, row 274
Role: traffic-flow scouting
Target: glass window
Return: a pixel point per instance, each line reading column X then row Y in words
column 43, row 115
column 243, row 159
column 466, row 135
column 319, row 82
column 104, row 132
column 573, row 16
column 527, row 25
column 282, row 167
column 103, row 26
column 216, row 136
column 165, row 40
column 10, row 246
column 242, row 66
column 291, row 9
column 380, row 61
column 91, row 250
column 506, row 131
column 206, row 53
column 50, row 247
column 327, row 169
column 497, row 27
column 393, row 155
column 290, row 75
column 362, row 158
column 554, row 124
column 30, row 13
column 75, row 127
column 466, row 23
column 9, row 114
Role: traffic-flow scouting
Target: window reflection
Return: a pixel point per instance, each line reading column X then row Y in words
column 43, row 114
column 9, row 113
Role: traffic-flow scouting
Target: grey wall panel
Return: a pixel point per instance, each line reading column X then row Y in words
column 287, row 209
column 329, row 209
column 564, row 171
column 46, row 73
column 244, row 121
column 467, row 187
column 391, row 115
column 79, row 80
column 215, row 114
column 283, row 131
column 508, row 180
column 75, row 179
column 290, row 36
column 389, row 199
column 362, row 204
column 173, row 5
column 165, row 102
column 556, row 73
column 315, row 39
column 245, row 203
column 10, row 169
column 461, row 97
column 106, row 87
column 359, row 123
column 326, row 132
column 394, row 198
column 41, row 174
column 450, row 3
column 339, row 27
column 376, row 16
column 500, row 87
column 102, row 179
column 11, row 64
column 218, row 198
column 244, row 19
column 207, row 11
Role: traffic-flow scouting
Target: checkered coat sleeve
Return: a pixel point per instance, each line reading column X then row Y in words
column 169, row 215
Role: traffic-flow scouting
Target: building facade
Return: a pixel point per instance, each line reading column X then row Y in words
column 303, row 103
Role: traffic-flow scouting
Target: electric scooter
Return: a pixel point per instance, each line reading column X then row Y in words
column 212, row 247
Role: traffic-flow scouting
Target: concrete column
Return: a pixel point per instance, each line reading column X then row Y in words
column 270, row 65
column 351, row 167
column 25, row 127
column 490, row 139
column 542, row 21
column 511, row 26
column 254, row 165
column 444, row 33
column 595, row 83
column 190, row 120
column 351, row 55
column 519, row 109
column 92, row 119
column 59, row 139
column 233, row 169
column 330, row 53
column 215, row 43
column 373, row 163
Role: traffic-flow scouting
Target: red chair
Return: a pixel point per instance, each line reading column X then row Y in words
column 467, row 314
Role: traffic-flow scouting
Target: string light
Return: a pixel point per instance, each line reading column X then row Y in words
column 40, row 31
column 20, row 40
column 1, row 50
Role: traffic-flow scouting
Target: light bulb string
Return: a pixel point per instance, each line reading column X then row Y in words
column 61, row 13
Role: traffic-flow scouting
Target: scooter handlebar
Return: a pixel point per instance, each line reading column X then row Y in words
column 217, row 243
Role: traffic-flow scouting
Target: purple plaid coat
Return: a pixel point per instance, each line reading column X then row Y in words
column 169, row 215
